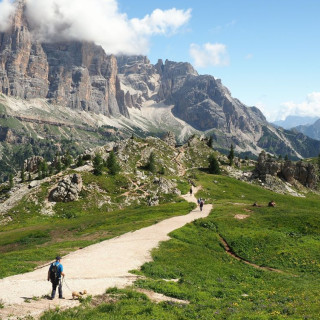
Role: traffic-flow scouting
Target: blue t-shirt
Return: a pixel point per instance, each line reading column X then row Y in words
column 60, row 268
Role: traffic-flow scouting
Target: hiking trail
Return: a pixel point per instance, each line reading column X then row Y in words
column 94, row 268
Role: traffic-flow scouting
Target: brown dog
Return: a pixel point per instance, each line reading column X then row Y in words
column 76, row 294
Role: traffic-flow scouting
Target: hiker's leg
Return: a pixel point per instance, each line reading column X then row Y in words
column 60, row 288
column 54, row 288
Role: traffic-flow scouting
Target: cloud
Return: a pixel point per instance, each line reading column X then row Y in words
column 209, row 55
column 97, row 20
column 6, row 10
column 309, row 107
column 249, row 56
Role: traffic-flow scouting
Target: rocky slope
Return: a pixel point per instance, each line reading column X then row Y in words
column 76, row 85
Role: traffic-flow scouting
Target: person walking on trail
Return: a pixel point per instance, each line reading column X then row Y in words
column 191, row 191
column 54, row 275
column 201, row 204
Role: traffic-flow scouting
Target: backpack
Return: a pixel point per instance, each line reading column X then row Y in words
column 54, row 272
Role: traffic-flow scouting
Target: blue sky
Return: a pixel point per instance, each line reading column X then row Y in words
column 272, row 48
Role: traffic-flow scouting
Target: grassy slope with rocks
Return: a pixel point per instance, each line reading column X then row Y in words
column 194, row 265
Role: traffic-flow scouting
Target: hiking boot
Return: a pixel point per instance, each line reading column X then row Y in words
column 61, row 297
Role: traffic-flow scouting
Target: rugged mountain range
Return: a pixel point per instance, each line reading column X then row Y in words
column 311, row 130
column 79, row 85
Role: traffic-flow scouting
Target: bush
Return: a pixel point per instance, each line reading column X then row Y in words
column 112, row 164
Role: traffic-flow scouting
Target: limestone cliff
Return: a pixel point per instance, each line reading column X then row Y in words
column 78, row 75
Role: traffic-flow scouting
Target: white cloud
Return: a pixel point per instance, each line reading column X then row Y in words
column 6, row 10
column 309, row 107
column 249, row 56
column 99, row 21
column 209, row 55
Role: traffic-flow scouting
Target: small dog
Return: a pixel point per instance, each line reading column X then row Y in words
column 76, row 294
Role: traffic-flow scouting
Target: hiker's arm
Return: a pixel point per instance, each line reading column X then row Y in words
column 63, row 274
column 49, row 275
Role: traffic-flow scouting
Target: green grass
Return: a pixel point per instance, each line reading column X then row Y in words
column 218, row 286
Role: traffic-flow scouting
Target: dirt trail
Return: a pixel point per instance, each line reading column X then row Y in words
column 94, row 268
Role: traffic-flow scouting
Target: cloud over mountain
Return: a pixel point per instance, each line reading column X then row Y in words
column 209, row 55
column 99, row 21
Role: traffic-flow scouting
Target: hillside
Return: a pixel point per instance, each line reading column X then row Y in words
column 240, row 262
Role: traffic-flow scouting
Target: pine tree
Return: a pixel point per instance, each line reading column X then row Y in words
column 23, row 178
column 80, row 161
column 58, row 165
column 11, row 184
column 112, row 164
column 210, row 142
column 231, row 155
column 67, row 160
column 214, row 167
column 151, row 164
column 29, row 177
column 286, row 157
column 97, row 164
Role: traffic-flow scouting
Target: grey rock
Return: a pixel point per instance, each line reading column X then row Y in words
column 68, row 189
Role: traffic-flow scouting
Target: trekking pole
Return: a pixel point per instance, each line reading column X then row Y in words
column 64, row 280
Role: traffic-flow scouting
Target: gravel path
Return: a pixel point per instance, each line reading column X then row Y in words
column 94, row 268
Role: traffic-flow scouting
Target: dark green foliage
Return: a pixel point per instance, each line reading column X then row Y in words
column 151, row 164
column 112, row 164
column 80, row 161
column 58, row 165
column 86, row 157
column 319, row 163
column 210, row 142
column 214, row 167
column 67, row 160
column 11, row 181
column 98, row 164
column 231, row 155
column 286, row 158
column 29, row 177
column 23, row 178
column 162, row 170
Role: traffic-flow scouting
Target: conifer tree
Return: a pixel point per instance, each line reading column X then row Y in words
column 11, row 184
column 214, row 167
column 210, row 142
column 231, row 155
column 151, row 164
column 97, row 164
column 286, row 157
column 67, row 160
column 112, row 164
column 23, row 178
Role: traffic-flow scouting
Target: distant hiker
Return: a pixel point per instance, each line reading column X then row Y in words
column 201, row 204
column 190, row 191
column 198, row 201
column 54, row 275
column 271, row 204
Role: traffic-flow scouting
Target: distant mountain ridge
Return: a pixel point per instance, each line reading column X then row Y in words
column 294, row 121
column 130, row 94
column 312, row 131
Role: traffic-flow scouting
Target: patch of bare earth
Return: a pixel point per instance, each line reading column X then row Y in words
column 241, row 216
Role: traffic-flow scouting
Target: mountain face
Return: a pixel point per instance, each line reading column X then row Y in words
column 127, row 93
column 77, row 75
column 312, row 130
column 294, row 121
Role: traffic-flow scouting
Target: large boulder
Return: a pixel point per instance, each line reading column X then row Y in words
column 32, row 164
column 68, row 189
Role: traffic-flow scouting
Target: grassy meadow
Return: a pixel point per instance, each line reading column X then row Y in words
column 194, row 265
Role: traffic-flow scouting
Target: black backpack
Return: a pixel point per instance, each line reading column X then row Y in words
column 54, row 273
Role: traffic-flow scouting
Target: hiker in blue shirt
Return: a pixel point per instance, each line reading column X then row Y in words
column 54, row 275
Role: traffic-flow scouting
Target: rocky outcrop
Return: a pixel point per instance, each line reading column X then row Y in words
column 78, row 75
column 170, row 139
column 68, row 189
column 304, row 173
column 32, row 164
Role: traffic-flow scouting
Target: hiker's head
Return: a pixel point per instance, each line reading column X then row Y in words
column 58, row 258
